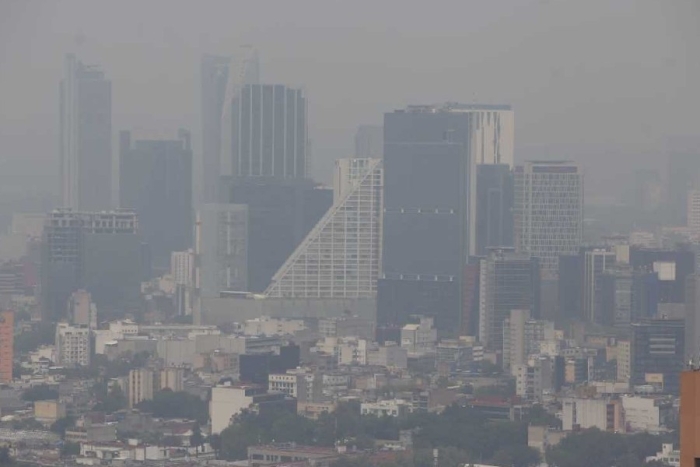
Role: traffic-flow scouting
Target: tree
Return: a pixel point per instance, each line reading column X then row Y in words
column 40, row 392
column 60, row 425
column 70, row 449
column 108, row 400
column 41, row 334
column 196, row 438
column 169, row 404
column 516, row 456
column 5, row 458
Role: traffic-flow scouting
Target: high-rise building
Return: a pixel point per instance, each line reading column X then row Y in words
column 692, row 316
column 156, row 182
column 269, row 136
column 340, row 257
column 72, row 345
column 82, row 310
column 693, row 211
column 281, row 212
column 595, row 262
column 221, row 79
column 626, row 296
column 223, row 248
column 522, row 337
column 548, row 211
column 671, row 266
column 658, row 353
column 494, row 207
column 141, row 386
column 570, row 283
column 508, row 281
column 100, row 252
column 369, row 142
column 85, row 137
column 683, row 176
column 7, row 333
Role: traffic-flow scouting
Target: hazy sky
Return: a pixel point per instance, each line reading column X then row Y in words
column 605, row 82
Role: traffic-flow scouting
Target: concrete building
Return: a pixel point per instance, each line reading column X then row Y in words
column 100, row 252
column 523, row 336
column 266, row 326
column 548, row 211
column 533, row 378
column 694, row 211
column 341, row 255
column 508, row 281
column 140, row 386
column 155, row 181
column 7, row 333
column 419, row 339
column 386, row 408
column 347, row 326
column 668, row 456
column 604, row 414
column 291, row 454
column 85, row 137
column 228, row 400
column 171, row 378
column 303, row 384
column 222, row 249
column 82, row 310
column 389, row 355
column 624, row 361
column 183, row 272
column 72, row 345
column 647, row 414
column 457, row 355
column 48, row 411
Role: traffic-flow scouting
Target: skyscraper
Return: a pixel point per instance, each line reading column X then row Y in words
column 340, row 257
column 595, row 262
column 430, row 158
column 508, row 281
column 658, row 353
column 85, row 137
column 494, row 207
column 7, row 333
column 100, row 252
column 156, row 182
column 221, row 79
column 548, row 211
column 269, row 134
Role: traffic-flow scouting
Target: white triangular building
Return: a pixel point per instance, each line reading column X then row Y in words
column 341, row 256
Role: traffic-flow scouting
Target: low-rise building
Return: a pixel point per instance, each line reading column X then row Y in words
column 289, row 454
column 386, row 408
column 604, row 414
column 72, row 345
column 229, row 400
column 49, row 411
column 301, row 383
column 646, row 413
column 389, row 355
column 668, row 456
column 419, row 339
column 266, row 326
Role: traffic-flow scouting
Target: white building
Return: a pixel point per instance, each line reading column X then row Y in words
column 419, row 339
column 646, row 413
column 266, row 326
column 182, row 267
column 172, row 378
column 533, row 378
column 386, row 408
column 624, row 360
column 668, row 455
column 300, row 383
column 548, row 216
column 341, row 255
column 582, row 413
column 72, row 345
column 228, row 400
column 523, row 337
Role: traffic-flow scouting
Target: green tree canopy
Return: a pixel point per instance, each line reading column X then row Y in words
column 40, row 392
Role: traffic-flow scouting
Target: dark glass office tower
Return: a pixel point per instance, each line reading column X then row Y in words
column 269, row 132
column 156, row 182
column 658, row 352
column 494, row 207
column 426, row 202
column 85, row 137
column 672, row 268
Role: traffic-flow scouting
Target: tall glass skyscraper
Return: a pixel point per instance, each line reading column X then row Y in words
column 85, row 137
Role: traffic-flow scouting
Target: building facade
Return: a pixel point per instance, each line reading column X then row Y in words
column 72, row 345
column 508, row 281
column 341, row 256
column 155, row 181
column 494, row 207
column 7, row 333
column 658, row 353
column 85, row 137
column 548, row 218
column 140, row 386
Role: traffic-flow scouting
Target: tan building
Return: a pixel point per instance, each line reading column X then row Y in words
column 140, row 386
column 172, row 378
column 49, row 411
column 7, row 319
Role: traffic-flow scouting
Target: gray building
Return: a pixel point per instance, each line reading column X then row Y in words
column 508, row 281
column 269, row 134
column 223, row 248
column 548, row 216
column 156, row 182
column 100, row 252
column 85, row 137
column 494, row 207
column 369, row 142
column 221, row 79
column 658, row 353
